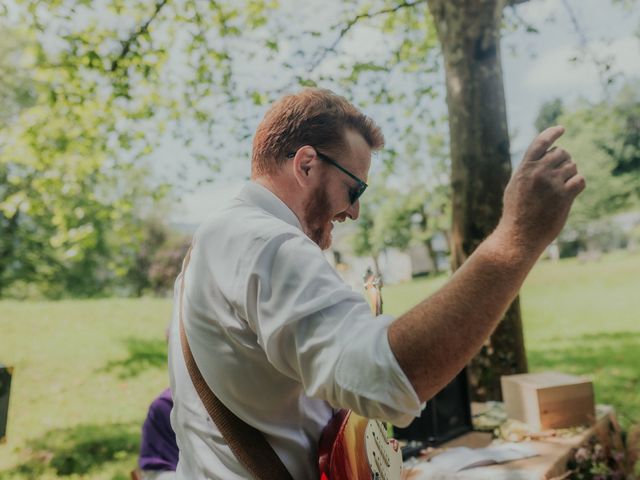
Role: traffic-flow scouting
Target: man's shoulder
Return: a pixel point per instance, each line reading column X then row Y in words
column 242, row 222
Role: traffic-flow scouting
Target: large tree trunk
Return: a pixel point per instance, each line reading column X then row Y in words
column 469, row 34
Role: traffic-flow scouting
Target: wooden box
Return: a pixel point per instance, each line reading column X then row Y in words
column 548, row 399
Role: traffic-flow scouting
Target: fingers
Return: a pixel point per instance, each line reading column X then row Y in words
column 576, row 184
column 560, row 159
column 557, row 156
column 543, row 142
column 568, row 170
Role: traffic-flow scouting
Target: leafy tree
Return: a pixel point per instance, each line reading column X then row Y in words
column 392, row 223
column 153, row 68
column 431, row 204
column 154, row 236
column 16, row 87
column 69, row 202
column 167, row 264
column 366, row 241
column 419, row 208
column 102, row 95
column 16, row 94
column 600, row 139
column 623, row 147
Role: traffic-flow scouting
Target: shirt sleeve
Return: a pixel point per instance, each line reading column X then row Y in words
column 314, row 328
column 158, row 447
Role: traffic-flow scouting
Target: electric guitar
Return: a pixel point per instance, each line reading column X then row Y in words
column 356, row 448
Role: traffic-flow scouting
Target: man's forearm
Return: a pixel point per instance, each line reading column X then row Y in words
column 435, row 339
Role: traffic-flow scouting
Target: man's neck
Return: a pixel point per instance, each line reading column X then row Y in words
column 286, row 193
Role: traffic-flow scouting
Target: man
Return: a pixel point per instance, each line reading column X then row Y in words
column 281, row 340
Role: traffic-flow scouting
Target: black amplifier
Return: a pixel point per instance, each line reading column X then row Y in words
column 446, row 416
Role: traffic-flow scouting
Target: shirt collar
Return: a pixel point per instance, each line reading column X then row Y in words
column 260, row 196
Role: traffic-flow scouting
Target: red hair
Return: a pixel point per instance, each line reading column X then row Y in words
column 315, row 117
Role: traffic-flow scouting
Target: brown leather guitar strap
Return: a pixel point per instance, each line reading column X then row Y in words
column 246, row 442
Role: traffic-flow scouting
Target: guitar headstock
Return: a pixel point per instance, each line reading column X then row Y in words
column 371, row 279
column 373, row 286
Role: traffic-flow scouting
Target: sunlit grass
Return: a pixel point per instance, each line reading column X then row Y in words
column 584, row 318
column 84, row 365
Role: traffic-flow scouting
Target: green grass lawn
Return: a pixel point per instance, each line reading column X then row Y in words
column 85, row 371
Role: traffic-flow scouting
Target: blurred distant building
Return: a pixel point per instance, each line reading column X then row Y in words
column 396, row 266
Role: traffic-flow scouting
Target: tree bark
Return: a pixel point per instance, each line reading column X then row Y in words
column 428, row 243
column 469, row 34
column 432, row 255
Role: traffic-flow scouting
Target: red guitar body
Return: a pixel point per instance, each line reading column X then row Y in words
column 341, row 454
column 356, row 448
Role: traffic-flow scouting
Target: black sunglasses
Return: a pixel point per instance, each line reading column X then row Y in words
column 356, row 191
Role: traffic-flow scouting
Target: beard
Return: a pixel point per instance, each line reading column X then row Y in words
column 317, row 218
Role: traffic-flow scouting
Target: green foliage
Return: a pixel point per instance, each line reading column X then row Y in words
column 151, row 68
column 158, row 260
column 393, row 223
column 167, row 264
column 80, row 450
column 623, row 146
column 16, row 88
column 105, row 82
column 88, row 91
column 414, row 212
column 603, row 142
column 363, row 241
column 69, row 201
column 154, row 235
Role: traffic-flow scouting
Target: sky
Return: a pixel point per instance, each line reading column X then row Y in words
column 536, row 68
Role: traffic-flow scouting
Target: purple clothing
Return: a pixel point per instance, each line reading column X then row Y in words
column 158, row 448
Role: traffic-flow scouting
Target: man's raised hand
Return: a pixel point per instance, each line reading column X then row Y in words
column 539, row 196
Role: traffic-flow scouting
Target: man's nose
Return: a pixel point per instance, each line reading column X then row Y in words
column 354, row 210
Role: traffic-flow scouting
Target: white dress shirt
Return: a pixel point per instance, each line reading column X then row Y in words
column 279, row 338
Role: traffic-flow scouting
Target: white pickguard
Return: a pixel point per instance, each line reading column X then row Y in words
column 383, row 454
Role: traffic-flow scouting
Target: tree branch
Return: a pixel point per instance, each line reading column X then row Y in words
column 602, row 66
column 144, row 28
column 351, row 23
column 529, row 26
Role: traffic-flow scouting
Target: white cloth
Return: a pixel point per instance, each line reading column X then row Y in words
column 279, row 338
column 158, row 475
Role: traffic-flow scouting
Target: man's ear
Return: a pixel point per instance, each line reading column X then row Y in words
column 302, row 163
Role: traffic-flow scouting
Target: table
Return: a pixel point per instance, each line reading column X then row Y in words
column 551, row 463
